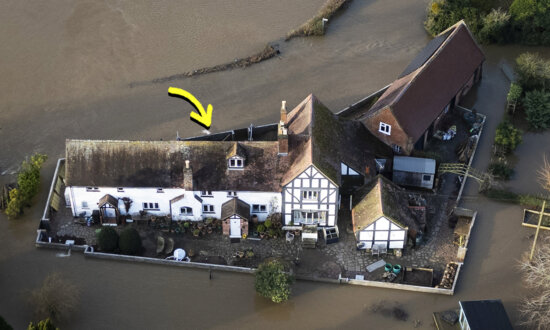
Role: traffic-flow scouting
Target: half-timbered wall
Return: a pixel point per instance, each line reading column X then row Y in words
column 383, row 231
column 310, row 193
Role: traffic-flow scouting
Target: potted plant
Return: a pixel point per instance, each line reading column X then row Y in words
column 254, row 219
column 196, row 232
column 261, row 230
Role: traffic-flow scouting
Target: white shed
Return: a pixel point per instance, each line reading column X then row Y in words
column 381, row 215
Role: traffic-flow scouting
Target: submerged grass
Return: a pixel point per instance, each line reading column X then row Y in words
column 506, row 196
column 314, row 26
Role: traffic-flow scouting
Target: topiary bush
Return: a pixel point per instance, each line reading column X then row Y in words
column 514, row 93
column 537, row 109
column 507, row 137
column 130, row 241
column 107, row 239
column 272, row 282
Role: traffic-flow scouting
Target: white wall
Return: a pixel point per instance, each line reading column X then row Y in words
column 77, row 195
column 383, row 231
column 311, row 178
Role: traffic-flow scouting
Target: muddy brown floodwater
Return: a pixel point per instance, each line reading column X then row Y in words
column 65, row 72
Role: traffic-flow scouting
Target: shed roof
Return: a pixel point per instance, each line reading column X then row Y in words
column 414, row 164
column 380, row 198
column 418, row 96
column 486, row 315
column 235, row 206
column 108, row 199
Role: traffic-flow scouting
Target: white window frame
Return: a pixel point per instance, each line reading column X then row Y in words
column 259, row 208
column 150, row 206
column 160, row 190
column 208, row 208
column 120, row 189
column 92, row 189
column 231, row 194
column 207, row 193
column 310, row 195
column 235, row 163
column 396, row 148
column 188, row 210
column 310, row 217
column 384, row 128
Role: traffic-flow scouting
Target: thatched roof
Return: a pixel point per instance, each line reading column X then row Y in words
column 380, row 198
column 431, row 80
column 161, row 163
column 235, row 206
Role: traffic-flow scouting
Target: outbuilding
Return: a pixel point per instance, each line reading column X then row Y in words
column 414, row 172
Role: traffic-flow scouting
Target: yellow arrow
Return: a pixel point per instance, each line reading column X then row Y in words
column 203, row 118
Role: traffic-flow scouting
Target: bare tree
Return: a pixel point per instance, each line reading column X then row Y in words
column 57, row 298
column 535, row 308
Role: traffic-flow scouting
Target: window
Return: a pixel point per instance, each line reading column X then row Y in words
column 207, row 208
column 231, row 194
column 259, row 208
column 206, row 193
column 150, row 206
column 310, row 195
column 120, row 189
column 185, row 210
column 160, row 190
column 235, row 163
column 92, row 189
column 384, row 128
column 84, row 204
column 426, row 177
column 309, row 217
column 396, row 148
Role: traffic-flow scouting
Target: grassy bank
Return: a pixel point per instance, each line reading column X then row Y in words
column 507, row 196
column 268, row 52
column 314, row 26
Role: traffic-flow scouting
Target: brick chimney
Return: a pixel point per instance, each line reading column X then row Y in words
column 282, row 133
column 187, row 177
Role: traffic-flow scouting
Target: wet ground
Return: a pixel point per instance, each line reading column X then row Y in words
column 49, row 48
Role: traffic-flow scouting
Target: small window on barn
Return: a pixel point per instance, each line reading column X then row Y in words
column 119, row 189
column 160, row 190
column 150, row 206
column 186, row 210
column 206, row 193
column 92, row 189
column 231, row 194
column 426, row 177
column 396, row 148
column 384, row 128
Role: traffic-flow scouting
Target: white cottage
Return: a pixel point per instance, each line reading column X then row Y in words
column 381, row 216
column 297, row 170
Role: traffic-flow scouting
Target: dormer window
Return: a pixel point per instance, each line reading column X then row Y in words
column 384, row 128
column 235, row 163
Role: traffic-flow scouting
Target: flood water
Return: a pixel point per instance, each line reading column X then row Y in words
column 65, row 72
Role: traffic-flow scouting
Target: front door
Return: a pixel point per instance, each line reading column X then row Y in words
column 235, row 229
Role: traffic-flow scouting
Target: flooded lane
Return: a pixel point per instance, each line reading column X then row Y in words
column 366, row 47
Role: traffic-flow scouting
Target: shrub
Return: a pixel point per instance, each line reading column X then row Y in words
column 186, row 225
column 272, row 282
column 314, row 26
column 507, row 137
column 532, row 71
column 4, row 325
column 443, row 14
column 501, row 170
column 28, row 183
column 514, row 93
column 261, row 228
column 129, row 242
column 43, row 325
column 56, row 299
column 107, row 239
column 531, row 21
column 268, row 224
column 494, row 26
column 537, row 109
